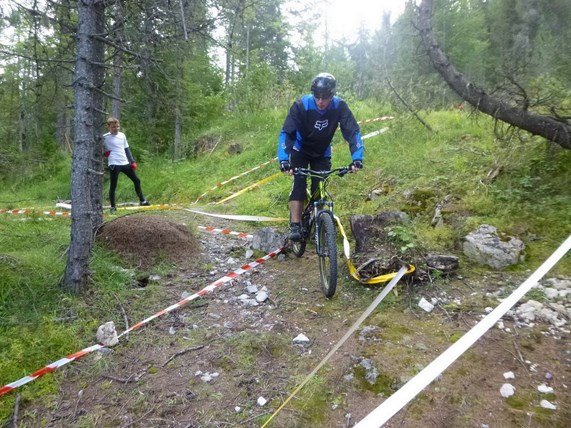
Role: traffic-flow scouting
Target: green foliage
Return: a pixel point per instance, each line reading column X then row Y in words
column 401, row 236
column 258, row 90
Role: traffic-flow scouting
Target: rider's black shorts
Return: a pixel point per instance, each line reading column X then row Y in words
column 301, row 160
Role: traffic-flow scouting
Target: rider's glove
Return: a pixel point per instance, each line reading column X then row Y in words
column 356, row 164
column 285, row 166
column 134, row 166
column 107, row 153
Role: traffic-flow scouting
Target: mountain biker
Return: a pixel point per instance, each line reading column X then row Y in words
column 120, row 159
column 305, row 139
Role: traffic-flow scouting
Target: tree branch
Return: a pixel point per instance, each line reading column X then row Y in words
column 546, row 126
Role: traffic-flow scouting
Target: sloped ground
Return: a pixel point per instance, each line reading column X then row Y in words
column 208, row 364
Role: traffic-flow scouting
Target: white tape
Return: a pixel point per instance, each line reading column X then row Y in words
column 374, row 134
column 400, row 398
column 237, row 217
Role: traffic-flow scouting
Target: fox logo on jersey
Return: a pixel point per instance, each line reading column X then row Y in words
column 321, row 124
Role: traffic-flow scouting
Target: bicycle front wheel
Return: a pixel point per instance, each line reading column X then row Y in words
column 327, row 253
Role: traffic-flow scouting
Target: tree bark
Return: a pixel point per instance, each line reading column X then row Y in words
column 88, row 103
column 116, row 102
column 545, row 126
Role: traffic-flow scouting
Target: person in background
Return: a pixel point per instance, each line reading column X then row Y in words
column 305, row 139
column 120, row 159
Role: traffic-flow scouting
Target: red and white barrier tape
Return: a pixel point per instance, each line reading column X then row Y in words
column 208, row 289
column 33, row 212
column 376, row 119
column 226, row 232
column 48, row 369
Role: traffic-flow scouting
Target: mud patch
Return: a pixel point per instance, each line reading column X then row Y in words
column 144, row 240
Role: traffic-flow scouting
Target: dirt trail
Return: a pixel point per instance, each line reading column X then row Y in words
column 208, row 364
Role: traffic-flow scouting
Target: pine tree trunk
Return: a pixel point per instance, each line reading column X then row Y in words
column 88, row 104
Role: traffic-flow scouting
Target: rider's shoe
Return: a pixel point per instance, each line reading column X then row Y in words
column 144, row 203
column 295, row 232
column 112, row 210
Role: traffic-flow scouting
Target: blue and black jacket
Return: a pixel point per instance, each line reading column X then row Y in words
column 310, row 130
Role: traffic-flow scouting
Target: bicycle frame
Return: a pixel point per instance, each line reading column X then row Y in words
column 319, row 202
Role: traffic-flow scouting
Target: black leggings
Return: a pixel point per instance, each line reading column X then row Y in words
column 114, row 171
column 300, row 160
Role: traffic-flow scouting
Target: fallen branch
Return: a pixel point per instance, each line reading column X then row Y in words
column 184, row 351
column 15, row 412
column 124, row 315
column 123, row 380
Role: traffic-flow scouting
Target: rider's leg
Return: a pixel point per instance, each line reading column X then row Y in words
column 297, row 195
column 295, row 208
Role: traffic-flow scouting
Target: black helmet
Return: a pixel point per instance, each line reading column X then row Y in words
column 323, row 85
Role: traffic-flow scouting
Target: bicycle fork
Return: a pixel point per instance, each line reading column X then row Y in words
column 321, row 208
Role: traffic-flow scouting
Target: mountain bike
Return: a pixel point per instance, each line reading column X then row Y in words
column 318, row 226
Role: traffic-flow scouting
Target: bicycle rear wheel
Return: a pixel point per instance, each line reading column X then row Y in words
column 327, row 254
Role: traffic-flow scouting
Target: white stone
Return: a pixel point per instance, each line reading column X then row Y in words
column 537, row 305
column 551, row 293
column 301, row 339
column 426, row 305
column 262, row 401
column 237, row 409
column 261, row 297
column 545, row 389
column 507, row 390
column 547, row 405
column 107, row 335
column 509, row 375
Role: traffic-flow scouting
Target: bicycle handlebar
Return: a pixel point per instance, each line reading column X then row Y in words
column 323, row 174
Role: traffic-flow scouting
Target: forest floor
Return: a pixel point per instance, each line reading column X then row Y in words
column 213, row 362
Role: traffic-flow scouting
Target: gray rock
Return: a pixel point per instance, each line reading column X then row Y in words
column 443, row 263
column 371, row 372
column 268, row 239
column 485, row 247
